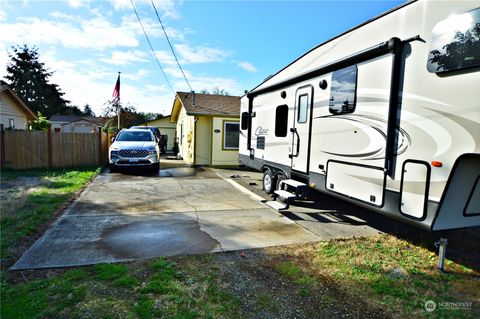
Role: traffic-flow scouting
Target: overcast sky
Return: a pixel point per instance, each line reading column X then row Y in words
column 230, row 45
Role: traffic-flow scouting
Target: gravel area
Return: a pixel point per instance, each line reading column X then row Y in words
column 264, row 293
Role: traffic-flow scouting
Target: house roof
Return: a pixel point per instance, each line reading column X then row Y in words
column 75, row 118
column 81, row 120
column 21, row 103
column 206, row 104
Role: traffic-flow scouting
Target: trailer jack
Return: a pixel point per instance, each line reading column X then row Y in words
column 442, row 249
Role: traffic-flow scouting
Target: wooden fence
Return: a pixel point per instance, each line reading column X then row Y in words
column 33, row 149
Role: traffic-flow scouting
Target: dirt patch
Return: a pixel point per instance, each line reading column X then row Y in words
column 13, row 192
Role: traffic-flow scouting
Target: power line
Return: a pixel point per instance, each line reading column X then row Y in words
column 170, row 44
column 150, row 44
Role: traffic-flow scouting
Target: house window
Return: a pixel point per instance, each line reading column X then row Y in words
column 343, row 91
column 11, row 123
column 245, row 118
column 302, row 108
column 281, row 121
column 455, row 43
column 230, row 135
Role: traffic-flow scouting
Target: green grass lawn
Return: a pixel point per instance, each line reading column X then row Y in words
column 26, row 208
column 388, row 273
column 155, row 289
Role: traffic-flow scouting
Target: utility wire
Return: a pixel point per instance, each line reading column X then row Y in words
column 170, row 44
column 150, row 44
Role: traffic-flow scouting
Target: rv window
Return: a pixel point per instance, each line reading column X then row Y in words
column 302, row 108
column 281, row 121
column 343, row 90
column 455, row 43
column 230, row 135
column 245, row 118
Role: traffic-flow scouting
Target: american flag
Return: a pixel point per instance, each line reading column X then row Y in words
column 116, row 90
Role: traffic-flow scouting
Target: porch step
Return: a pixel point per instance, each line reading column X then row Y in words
column 277, row 205
column 284, row 194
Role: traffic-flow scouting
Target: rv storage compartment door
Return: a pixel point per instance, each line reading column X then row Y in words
column 414, row 189
column 364, row 183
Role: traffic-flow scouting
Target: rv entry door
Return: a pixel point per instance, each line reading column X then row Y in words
column 300, row 130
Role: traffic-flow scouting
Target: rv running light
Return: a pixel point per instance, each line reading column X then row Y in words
column 437, row 164
column 283, row 94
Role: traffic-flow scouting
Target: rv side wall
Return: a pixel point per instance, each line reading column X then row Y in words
column 438, row 119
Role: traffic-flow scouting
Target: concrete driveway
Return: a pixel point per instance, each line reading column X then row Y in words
column 325, row 216
column 181, row 210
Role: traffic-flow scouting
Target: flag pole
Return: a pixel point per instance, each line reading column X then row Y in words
column 118, row 103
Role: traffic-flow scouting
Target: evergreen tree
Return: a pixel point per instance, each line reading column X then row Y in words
column 87, row 110
column 29, row 78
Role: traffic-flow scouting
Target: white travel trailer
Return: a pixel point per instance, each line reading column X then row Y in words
column 386, row 115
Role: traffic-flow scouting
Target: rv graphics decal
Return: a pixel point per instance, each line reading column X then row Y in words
column 367, row 132
column 259, row 131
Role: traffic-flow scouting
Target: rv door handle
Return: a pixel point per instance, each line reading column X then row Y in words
column 294, row 130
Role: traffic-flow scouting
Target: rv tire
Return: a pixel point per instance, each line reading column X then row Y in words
column 268, row 181
column 280, row 177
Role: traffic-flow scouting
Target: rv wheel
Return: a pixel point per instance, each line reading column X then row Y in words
column 280, row 177
column 268, row 182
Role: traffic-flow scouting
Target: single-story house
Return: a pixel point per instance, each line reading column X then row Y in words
column 75, row 124
column 14, row 112
column 207, row 128
column 166, row 128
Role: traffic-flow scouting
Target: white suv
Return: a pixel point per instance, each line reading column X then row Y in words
column 134, row 148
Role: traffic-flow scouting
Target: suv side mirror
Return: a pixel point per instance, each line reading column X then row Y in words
column 113, row 139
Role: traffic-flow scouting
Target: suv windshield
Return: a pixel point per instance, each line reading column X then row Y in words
column 133, row 136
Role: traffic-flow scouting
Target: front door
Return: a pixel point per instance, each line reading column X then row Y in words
column 300, row 129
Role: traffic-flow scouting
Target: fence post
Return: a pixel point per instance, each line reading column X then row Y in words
column 100, row 161
column 2, row 145
column 49, row 147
